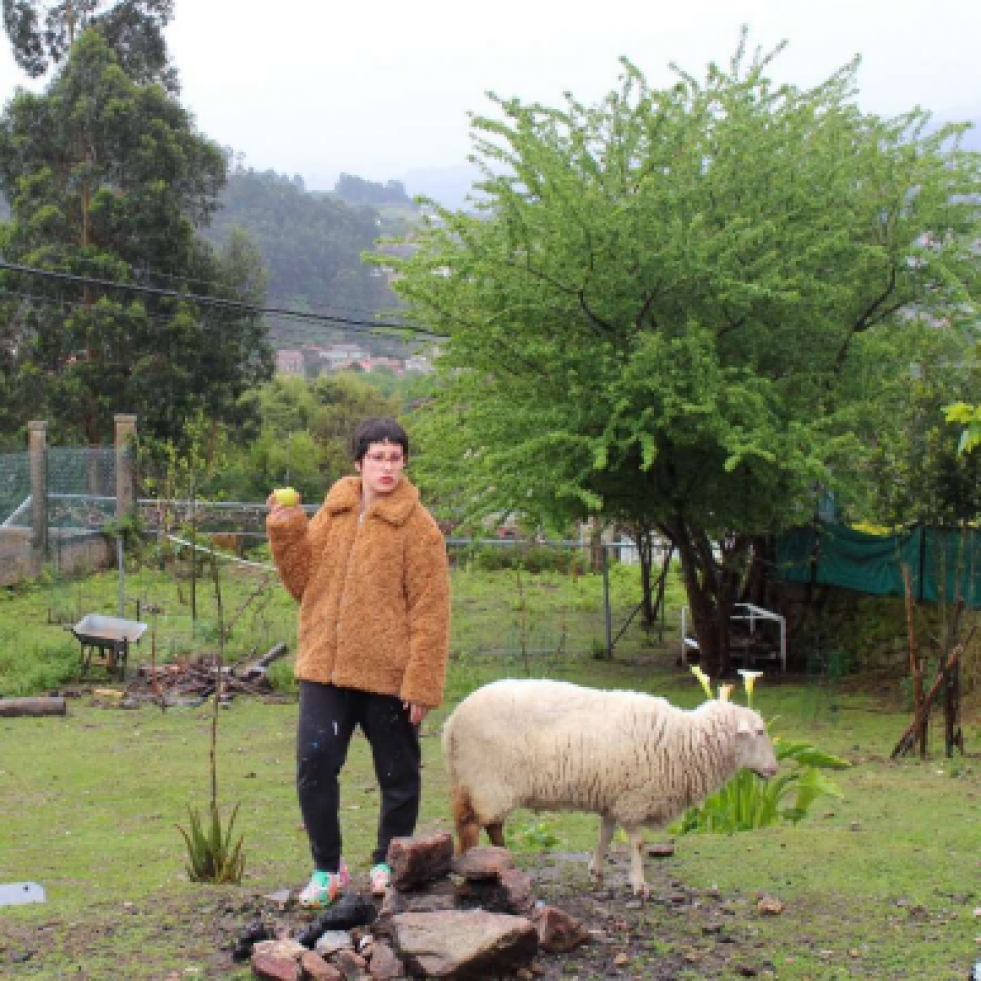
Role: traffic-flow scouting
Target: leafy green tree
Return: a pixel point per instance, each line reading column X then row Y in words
column 667, row 310
column 917, row 470
column 41, row 34
column 301, row 436
column 108, row 179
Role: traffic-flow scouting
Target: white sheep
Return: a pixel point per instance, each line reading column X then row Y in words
column 634, row 759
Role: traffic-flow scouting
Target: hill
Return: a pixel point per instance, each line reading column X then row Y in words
column 311, row 245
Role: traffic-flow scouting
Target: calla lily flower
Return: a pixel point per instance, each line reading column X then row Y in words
column 749, row 680
column 703, row 680
column 724, row 692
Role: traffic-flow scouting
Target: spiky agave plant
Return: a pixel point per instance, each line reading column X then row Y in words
column 212, row 854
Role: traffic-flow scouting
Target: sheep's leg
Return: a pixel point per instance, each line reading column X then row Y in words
column 467, row 824
column 637, row 883
column 607, row 826
column 495, row 832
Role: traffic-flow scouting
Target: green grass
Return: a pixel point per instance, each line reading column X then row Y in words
column 882, row 884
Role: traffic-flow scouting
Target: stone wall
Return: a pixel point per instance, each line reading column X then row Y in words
column 19, row 561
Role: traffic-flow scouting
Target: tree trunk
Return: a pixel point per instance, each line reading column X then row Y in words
column 713, row 586
column 12, row 707
column 643, row 538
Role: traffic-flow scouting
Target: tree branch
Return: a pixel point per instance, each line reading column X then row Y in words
column 865, row 320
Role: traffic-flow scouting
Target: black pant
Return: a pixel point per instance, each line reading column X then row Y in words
column 328, row 716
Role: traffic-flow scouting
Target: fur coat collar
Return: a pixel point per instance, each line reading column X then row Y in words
column 394, row 508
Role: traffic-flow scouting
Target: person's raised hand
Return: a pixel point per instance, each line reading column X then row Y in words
column 276, row 506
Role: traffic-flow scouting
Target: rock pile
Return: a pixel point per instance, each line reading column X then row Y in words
column 473, row 916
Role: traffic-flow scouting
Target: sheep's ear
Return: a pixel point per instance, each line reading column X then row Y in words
column 744, row 727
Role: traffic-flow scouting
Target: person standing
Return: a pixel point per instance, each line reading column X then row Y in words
column 371, row 576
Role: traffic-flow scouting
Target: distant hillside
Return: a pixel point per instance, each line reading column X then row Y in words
column 449, row 186
column 311, row 245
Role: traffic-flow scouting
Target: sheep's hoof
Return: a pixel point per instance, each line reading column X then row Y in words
column 642, row 891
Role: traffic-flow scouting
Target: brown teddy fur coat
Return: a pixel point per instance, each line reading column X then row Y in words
column 374, row 594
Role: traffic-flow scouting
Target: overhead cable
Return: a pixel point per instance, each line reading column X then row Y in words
column 215, row 302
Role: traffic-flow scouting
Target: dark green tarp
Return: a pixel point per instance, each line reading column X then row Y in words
column 943, row 563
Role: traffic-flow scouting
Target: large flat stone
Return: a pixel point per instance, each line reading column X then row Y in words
column 464, row 944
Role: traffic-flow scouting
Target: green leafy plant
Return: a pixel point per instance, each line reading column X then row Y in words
column 970, row 417
column 535, row 835
column 212, row 854
column 747, row 802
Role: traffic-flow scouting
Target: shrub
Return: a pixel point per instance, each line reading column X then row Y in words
column 211, row 854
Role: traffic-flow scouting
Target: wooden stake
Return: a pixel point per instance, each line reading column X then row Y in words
column 914, row 663
column 909, row 736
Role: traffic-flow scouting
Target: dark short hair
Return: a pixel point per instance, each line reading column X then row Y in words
column 378, row 431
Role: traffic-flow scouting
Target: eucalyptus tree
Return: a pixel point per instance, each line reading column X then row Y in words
column 665, row 307
column 42, row 33
column 108, row 180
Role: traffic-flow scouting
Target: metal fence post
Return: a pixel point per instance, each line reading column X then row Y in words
column 608, row 613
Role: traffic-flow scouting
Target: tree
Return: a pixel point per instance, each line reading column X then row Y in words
column 108, row 179
column 357, row 190
column 301, row 436
column 917, row 472
column 668, row 307
column 42, row 34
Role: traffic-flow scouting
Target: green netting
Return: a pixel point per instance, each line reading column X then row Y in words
column 943, row 563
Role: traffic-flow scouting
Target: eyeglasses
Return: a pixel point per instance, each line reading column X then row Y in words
column 379, row 459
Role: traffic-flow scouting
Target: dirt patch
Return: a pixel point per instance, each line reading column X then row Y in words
column 677, row 933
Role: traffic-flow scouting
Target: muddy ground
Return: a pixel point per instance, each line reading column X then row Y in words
column 676, row 934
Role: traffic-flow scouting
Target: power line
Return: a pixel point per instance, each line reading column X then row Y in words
column 148, row 272
column 69, row 306
column 217, row 303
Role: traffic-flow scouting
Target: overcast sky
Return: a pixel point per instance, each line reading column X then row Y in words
column 382, row 88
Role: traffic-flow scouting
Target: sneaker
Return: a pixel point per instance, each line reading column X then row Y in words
column 324, row 887
column 380, row 877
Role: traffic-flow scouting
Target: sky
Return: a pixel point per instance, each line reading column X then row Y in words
column 383, row 89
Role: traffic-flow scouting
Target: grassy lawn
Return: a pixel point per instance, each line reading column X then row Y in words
column 881, row 884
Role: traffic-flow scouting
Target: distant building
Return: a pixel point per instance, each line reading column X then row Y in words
column 340, row 357
column 289, row 362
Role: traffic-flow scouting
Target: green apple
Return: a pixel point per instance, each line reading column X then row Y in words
column 287, row 497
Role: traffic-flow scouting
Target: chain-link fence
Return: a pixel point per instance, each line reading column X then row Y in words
column 15, row 500
column 55, row 504
column 559, row 596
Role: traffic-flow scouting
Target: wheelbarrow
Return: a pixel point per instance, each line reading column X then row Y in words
column 105, row 641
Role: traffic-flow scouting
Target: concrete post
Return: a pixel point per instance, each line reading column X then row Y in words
column 37, row 449
column 125, row 465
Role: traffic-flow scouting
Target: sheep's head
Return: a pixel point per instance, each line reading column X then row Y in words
column 754, row 751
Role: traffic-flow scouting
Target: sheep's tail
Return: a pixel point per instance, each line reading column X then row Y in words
column 464, row 816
